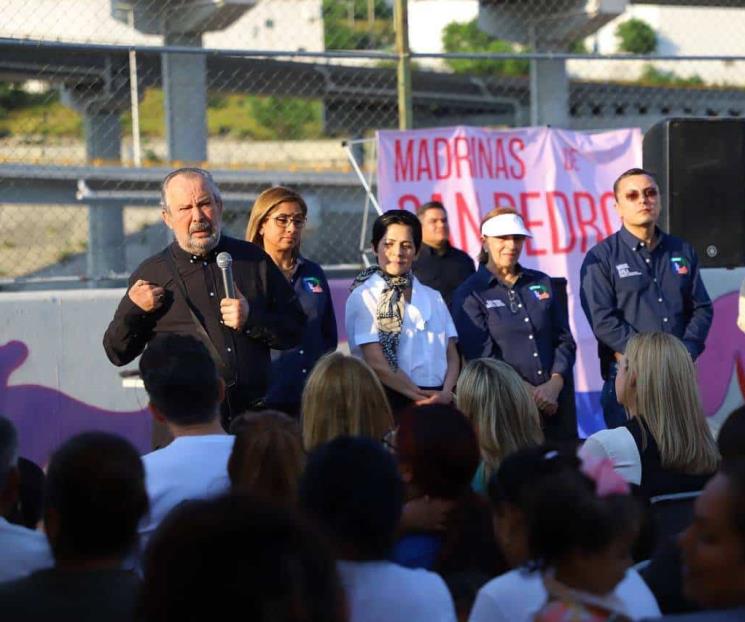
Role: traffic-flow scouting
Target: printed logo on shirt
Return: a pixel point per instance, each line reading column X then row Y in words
column 680, row 264
column 540, row 292
column 313, row 284
column 624, row 271
column 493, row 304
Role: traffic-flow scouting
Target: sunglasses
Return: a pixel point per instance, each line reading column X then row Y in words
column 649, row 193
column 284, row 221
column 513, row 300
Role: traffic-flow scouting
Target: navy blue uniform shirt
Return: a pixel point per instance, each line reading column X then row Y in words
column 290, row 368
column 626, row 289
column 443, row 271
column 522, row 325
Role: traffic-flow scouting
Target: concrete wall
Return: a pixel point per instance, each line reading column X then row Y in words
column 55, row 379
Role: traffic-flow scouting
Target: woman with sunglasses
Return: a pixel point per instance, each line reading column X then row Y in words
column 276, row 224
column 511, row 313
column 401, row 328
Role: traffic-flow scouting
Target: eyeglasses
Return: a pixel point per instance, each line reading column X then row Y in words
column 513, row 300
column 649, row 193
column 284, row 221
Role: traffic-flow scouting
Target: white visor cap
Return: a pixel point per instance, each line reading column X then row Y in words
column 505, row 224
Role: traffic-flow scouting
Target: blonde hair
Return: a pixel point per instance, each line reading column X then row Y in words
column 497, row 211
column 343, row 396
column 263, row 206
column 494, row 397
column 666, row 398
column 268, row 457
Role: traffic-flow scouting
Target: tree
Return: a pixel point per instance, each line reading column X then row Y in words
column 466, row 37
column 635, row 36
column 346, row 25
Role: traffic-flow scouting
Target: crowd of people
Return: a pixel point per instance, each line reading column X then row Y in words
column 434, row 473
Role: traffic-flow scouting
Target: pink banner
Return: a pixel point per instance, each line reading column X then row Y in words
column 560, row 181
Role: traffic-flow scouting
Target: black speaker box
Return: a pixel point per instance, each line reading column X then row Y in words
column 700, row 167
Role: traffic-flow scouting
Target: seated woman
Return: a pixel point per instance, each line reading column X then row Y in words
column 496, row 401
column 666, row 445
column 343, row 396
column 400, row 327
column 268, row 457
column 437, row 456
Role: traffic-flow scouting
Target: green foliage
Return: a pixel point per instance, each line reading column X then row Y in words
column 651, row 76
column 635, row 36
column 13, row 96
column 346, row 25
column 466, row 37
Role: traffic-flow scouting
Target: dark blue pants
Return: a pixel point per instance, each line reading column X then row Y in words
column 614, row 414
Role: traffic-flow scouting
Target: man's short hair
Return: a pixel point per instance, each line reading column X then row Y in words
column 96, row 485
column 632, row 172
column 351, row 485
column 8, row 448
column 210, row 556
column 181, row 379
column 428, row 206
column 189, row 171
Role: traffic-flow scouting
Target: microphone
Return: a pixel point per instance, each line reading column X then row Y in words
column 225, row 263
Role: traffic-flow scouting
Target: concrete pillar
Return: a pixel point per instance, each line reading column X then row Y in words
column 549, row 93
column 185, row 100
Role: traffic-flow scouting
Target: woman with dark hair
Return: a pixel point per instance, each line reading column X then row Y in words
column 276, row 224
column 401, row 328
column 509, row 312
column 438, row 455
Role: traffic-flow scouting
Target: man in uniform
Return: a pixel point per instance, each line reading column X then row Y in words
column 180, row 290
column 641, row 279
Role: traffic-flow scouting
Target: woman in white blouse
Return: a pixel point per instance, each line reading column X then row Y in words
column 400, row 327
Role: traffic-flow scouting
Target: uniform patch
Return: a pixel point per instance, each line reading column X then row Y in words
column 624, row 271
column 680, row 264
column 540, row 291
column 313, row 284
column 493, row 304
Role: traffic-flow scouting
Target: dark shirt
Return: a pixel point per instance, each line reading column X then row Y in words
column 522, row 325
column 74, row 595
column 443, row 271
column 290, row 368
column 626, row 289
column 275, row 318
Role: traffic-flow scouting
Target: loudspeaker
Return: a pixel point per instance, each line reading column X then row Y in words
column 700, row 167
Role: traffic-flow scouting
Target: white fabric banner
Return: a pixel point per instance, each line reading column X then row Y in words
column 560, row 181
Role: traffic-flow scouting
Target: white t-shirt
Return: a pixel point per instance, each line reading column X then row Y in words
column 427, row 328
column 383, row 591
column 518, row 595
column 618, row 446
column 191, row 467
column 22, row 551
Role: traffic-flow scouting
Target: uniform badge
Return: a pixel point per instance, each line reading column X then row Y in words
column 680, row 264
column 493, row 304
column 540, row 292
column 313, row 285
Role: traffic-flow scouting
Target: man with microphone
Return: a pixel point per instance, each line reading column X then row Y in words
column 182, row 289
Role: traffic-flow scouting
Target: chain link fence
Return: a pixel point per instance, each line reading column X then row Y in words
column 100, row 98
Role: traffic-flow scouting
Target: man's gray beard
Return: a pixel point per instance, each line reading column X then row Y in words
column 202, row 247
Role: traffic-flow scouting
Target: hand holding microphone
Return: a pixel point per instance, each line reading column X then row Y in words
column 234, row 306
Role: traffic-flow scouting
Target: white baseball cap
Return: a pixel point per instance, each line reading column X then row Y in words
column 505, row 224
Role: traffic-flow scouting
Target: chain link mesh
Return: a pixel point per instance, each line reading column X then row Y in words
column 283, row 84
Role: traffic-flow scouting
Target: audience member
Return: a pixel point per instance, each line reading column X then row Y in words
column 438, row 455
column 402, row 328
column 352, row 487
column 94, row 498
column 581, row 530
column 276, row 224
column 185, row 392
column 21, row 550
column 517, row 595
column 268, row 456
column 239, row 557
column 731, row 437
column 343, row 396
column 496, row 400
column 666, row 445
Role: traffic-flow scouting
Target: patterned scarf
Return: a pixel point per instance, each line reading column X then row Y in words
column 389, row 315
